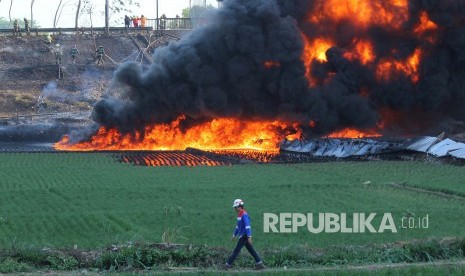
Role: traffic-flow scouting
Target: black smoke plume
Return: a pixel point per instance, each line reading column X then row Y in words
column 218, row 71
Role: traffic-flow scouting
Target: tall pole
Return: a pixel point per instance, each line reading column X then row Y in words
column 32, row 15
column 158, row 21
column 107, row 19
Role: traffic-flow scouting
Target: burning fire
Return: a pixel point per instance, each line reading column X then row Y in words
column 234, row 133
column 362, row 12
column 315, row 50
column 219, row 134
column 425, row 24
column 363, row 51
column 409, row 67
column 390, row 15
column 353, row 133
column 270, row 64
column 365, row 13
column 226, row 133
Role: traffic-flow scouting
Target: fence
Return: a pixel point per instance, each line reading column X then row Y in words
column 38, row 31
column 152, row 24
column 176, row 23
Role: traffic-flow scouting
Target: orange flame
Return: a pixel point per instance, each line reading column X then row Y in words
column 426, row 28
column 362, row 12
column 353, row 133
column 363, row 51
column 409, row 67
column 270, row 64
column 425, row 24
column 225, row 133
column 314, row 50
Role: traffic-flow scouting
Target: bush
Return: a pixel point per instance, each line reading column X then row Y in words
column 25, row 100
column 10, row 265
column 62, row 262
column 145, row 256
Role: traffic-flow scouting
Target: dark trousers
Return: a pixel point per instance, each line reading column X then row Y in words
column 240, row 243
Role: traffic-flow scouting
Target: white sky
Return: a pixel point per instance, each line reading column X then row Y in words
column 44, row 10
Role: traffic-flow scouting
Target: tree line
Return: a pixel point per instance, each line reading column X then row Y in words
column 83, row 7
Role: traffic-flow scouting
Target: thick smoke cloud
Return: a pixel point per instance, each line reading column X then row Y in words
column 439, row 94
column 219, row 71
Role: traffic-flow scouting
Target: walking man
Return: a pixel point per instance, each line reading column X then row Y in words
column 58, row 53
column 243, row 231
column 100, row 53
column 73, row 53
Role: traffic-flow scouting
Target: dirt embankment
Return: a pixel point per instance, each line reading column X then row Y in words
column 29, row 80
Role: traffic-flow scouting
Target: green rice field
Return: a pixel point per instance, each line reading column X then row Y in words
column 90, row 200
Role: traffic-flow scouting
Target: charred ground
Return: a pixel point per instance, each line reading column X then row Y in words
column 29, row 81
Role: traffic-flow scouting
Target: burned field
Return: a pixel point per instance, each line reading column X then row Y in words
column 429, row 149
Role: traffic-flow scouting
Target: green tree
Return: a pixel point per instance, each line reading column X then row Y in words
column 5, row 23
column 197, row 11
column 120, row 7
column 185, row 12
column 117, row 9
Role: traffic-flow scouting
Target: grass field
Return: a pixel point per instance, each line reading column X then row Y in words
column 92, row 201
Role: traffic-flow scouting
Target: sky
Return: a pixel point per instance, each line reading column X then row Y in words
column 44, row 10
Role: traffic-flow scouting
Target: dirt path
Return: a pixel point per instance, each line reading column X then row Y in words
column 372, row 268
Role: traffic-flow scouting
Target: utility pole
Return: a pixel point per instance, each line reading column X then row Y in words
column 158, row 20
column 107, row 19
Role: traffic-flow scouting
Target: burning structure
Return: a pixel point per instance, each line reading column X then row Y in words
column 266, row 70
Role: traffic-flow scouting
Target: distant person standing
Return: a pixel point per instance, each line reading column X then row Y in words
column 143, row 21
column 135, row 21
column 73, row 53
column 100, row 53
column 26, row 26
column 48, row 39
column 58, row 53
column 163, row 22
column 127, row 21
column 16, row 30
column 177, row 21
column 244, row 232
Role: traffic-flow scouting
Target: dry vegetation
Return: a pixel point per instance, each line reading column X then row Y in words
column 29, row 76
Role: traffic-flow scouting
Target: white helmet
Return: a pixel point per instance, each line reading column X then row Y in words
column 57, row 45
column 237, row 203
